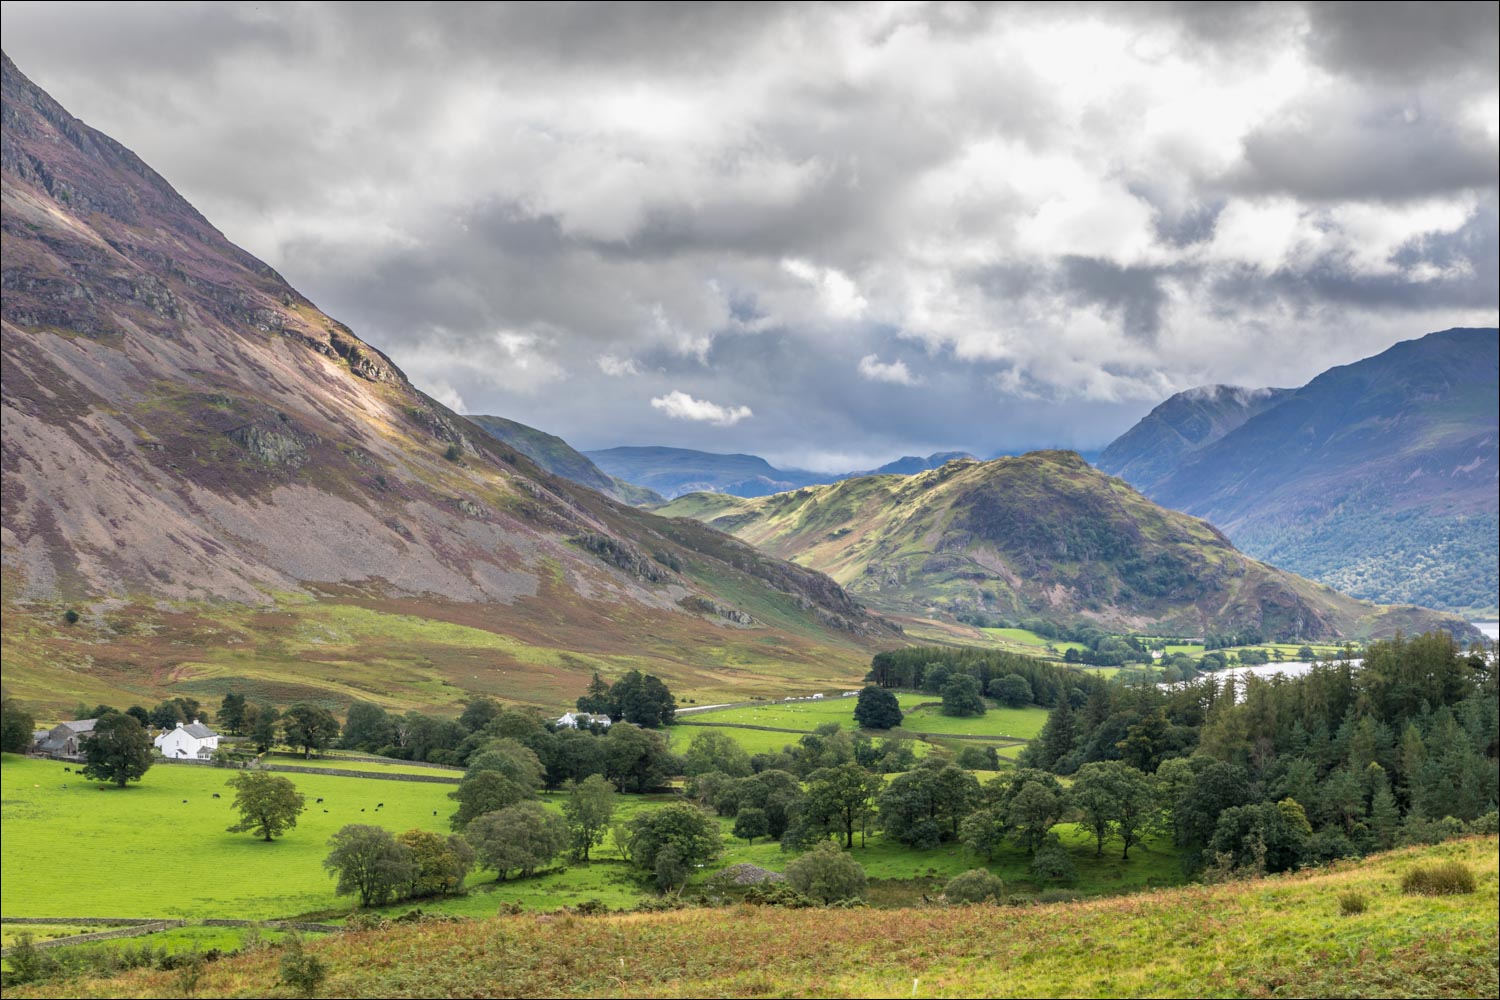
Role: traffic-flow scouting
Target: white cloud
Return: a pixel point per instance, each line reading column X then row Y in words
column 875, row 370
column 617, row 367
column 680, row 406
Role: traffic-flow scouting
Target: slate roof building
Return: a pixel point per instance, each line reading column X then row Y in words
column 191, row 740
column 65, row 738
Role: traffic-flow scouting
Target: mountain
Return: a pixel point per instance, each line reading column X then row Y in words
column 1044, row 534
column 1378, row 478
column 224, row 487
column 1154, row 448
column 674, row 472
column 559, row 458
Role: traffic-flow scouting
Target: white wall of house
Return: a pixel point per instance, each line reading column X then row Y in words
column 178, row 744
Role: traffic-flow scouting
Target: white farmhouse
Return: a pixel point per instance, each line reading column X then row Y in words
column 581, row 720
column 188, row 741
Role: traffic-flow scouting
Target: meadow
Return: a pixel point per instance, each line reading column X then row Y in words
column 1278, row 936
column 922, row 716
column 160, row 849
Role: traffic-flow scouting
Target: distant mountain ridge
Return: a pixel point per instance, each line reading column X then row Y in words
column 1043, row 535
column 559, row 458
column 1381, row 478
column 674, row 472
column 1154, row 448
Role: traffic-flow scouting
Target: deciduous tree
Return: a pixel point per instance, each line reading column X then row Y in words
column 268, row 805
column 119, row 750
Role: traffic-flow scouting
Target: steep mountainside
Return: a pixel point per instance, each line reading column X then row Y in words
column 1043, row 534
column 181, row 425
column 1379, row 478
column 1165, row 437
column 559, row 458
column 677, row 471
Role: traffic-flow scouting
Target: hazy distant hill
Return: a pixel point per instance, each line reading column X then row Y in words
column 1043, row 534
column 559, row 458
column 676, row 471
column 1378, row 478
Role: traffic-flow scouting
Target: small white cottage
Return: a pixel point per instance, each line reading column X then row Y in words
column 581, row 720
column 188, row 740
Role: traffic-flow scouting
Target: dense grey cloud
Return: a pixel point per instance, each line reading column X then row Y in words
column 829, row 234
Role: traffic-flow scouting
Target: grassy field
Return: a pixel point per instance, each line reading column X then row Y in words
column 1016, row 723
column 1277, row 936
column 145, row 852
column 363, row 766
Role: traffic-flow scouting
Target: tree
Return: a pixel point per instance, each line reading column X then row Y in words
column 877, row 708
column 841, row 797
column 693, row 832
column 439, row 864
column 520, row 838
column 636, row 759
column 643, row 700
column 1012, row 689
column 482, row 792
column 962, row 696
column 232, row 713
column 827, row 874
column 750, row 823
column 1115, row 800
column 369, row 861
column 478, row 713
column 1033, row 810
column 119, row 750
column 588, row 806
column 711, row 750
column 166, row 715
column 367, row 727
column 268, row 805
column 16, row 725
column 309, row 727
column 262, row 725
column 597, row 700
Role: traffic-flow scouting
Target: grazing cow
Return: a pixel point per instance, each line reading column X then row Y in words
column 380, row 805
column 361, row 810
column 325, row 810
column 216, row 794
column 184, row 801
column 320, row 802
column 68, row 769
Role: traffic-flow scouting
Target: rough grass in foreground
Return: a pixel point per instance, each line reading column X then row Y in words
column 1273, row 937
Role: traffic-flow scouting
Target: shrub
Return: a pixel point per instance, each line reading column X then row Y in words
column 1488, row 823
column 1352, row 903
column 454, row 453
column 827, row 874
column 28, row 963
column 71, row 616
column 977, row 885
column 304, row 973
column 1448, row 878
column 1052, row 863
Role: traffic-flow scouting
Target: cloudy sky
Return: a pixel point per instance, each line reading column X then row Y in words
column 827, row 235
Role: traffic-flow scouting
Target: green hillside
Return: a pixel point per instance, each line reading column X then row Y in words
column 1042, row 534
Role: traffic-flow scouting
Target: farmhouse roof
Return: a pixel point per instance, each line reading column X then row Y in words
column 80, row 725
column 197, row 730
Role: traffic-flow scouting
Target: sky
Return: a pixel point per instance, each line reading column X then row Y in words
column 827, row 235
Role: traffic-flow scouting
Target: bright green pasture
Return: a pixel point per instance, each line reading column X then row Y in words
column 144, row 852
column 1017, row 723
column 752, row 741
column 803, row 716
column 46, row 932
column 364, row 766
